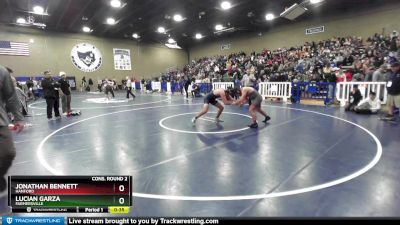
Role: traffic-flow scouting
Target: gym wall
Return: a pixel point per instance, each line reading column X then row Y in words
column 51, row 51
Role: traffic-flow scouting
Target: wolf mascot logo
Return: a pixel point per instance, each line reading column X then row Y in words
column 86, row 57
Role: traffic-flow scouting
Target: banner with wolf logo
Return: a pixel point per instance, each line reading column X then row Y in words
column 122, row 59
column 86, row 57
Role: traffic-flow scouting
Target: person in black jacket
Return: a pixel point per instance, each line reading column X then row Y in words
column 195, row 90
column 29, row 85
column 51, row 94
column 187, row 84
column 90, row 83
column 83, row 84
column 393, row 88
column 355, row 98
column 8, row 103
column 331, row 79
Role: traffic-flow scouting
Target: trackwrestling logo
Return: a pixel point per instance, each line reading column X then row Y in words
column 86, row 57
column 33, row 220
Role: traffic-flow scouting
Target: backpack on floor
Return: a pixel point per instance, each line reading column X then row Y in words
column 75, row 113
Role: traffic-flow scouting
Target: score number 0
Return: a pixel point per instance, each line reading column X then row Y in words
column 121, row 188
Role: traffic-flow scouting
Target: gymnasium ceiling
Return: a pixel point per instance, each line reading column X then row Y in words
column 143, row 17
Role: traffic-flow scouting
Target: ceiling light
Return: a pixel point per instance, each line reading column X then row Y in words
column 178, row 18
column 111, row 21
column 226, row 5
column 199, row 36
column 115, row 3
column 136, row 36
column 161, row 30
column 86, row 29
column 21, row 20
column 171, row 41
column 269, row 16
column 219, row 27
column 31, row 41
column 38, row 10
column 315, row 1
column 173, row 46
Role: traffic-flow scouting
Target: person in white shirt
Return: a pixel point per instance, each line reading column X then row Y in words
column 99, row 84
column 369, row 105
column 245, row 81
column 108, row 88
column 129, row 88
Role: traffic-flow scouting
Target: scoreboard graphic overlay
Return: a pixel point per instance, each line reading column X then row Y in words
column 86, row 194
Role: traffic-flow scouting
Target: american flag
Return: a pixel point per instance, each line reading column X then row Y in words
column 14, row 48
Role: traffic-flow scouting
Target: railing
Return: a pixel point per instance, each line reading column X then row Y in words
column 275, row 90
column 343, row 90
column 156, row 85
column 286, row 90
column 223, row 85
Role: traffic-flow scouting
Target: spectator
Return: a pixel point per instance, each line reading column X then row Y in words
column 369, row 105
column 187, row 84
column 90, row 84
column 393, row 46
column 393, row 88
column 65, row 93
column 246, row 81
column 358, row 76
column 195, row 90
column 312, row 62
column 355, row 98
column 29, row 85
column 379, row 74
column 51, row 94
column 129, row 88
column 35, row 88
column 340, row 75
column 331, row 78
column 99, row 84
column 83, row 84
column 21, row 97
column 8, row 103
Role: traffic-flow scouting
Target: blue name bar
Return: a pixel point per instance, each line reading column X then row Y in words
column 14, row 220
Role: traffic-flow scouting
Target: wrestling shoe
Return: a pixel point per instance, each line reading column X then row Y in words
column 254, row 125
column 217, row 120
column 388, row 117
column 267, row 118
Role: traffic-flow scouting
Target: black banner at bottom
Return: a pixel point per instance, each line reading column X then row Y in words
column 60, row 209
column 213, row 221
